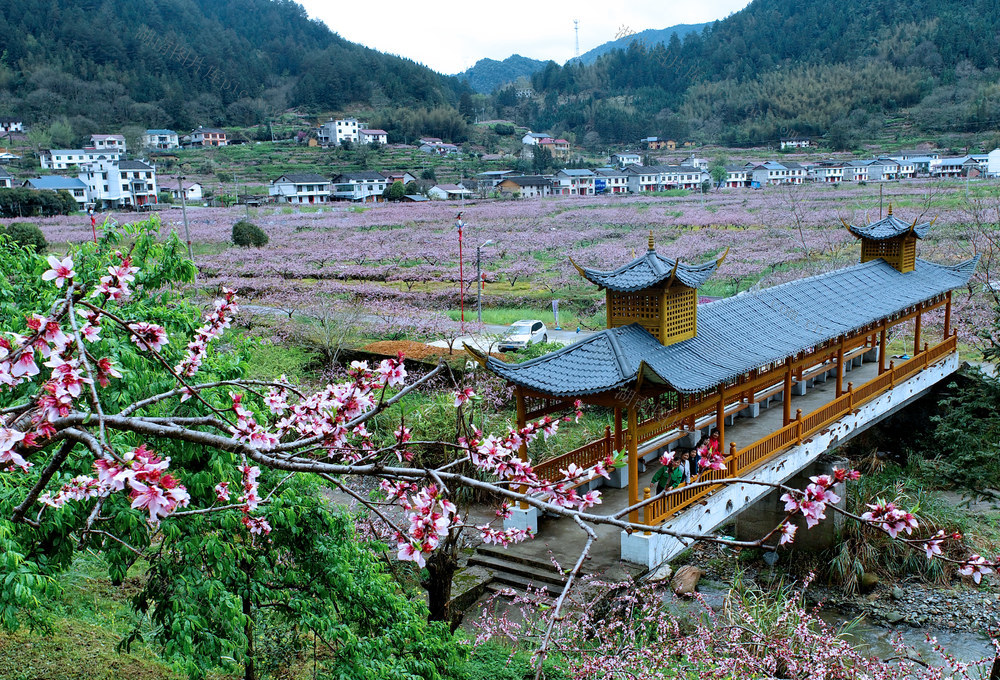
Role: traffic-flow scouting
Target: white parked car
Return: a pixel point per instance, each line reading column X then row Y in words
column 523, row 334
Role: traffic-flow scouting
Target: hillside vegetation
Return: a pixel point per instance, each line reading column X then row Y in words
column 783, row 68
column 183, row 63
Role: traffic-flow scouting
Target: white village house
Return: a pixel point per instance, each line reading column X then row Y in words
column 336, row 132
column 373, row 136
column 304, row 187
column 161, row 139
column 366, row 185
column 107, row 143
column 11, row 125
column 448, row 192
column 62, row 159
column 119, row 184
column 192, row 192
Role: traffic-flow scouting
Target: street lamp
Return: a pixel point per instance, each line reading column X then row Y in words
column 479, row 282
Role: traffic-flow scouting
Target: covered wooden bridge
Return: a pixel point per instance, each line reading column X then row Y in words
column 673, row 370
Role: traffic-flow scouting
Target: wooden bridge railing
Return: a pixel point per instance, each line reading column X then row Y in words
column 585, row 457
column 741, row 461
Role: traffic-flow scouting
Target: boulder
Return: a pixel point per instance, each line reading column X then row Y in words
column 685, row 581
column 897, row 593
column 662, row 573
column 867, row 582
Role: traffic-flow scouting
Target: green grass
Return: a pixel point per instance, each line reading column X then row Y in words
column 86, row 622
column 504, row 316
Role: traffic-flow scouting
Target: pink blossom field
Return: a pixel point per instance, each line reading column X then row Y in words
column 406, row 255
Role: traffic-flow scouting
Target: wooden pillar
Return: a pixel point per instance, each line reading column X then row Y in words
column 916, row 334
column 840, row 367
column 947, row 316
column 633, row 463
column 881, row 351
column 786, row 398
column 522, row 420
column 619, row 444
column 720, row 419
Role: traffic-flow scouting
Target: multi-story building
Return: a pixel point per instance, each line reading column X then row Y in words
column 359, row 186
column 11, row 125
column 204, row 136
column 161, row 139
column 373, row 136
column 610, row 181
column 119, row 184
column 336, row 132
column 827, row 173
column 301, row 188
column 573, row 182
column 107, row 143
column 62, row 159
column 6, row 179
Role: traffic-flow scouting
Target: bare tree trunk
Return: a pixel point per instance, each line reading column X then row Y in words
column 441, row 568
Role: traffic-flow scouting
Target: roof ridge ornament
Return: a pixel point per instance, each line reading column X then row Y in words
column 890, row 211
column 652, row 248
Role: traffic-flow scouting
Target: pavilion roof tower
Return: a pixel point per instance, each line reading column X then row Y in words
column 658, row 293
column 891, row 239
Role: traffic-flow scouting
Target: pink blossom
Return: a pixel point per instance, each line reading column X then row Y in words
column 462, row 396
column 222, row 492
column 787, row 533
column 151, row 498
column 975, row 567
column 59, row 270
column 148, row 335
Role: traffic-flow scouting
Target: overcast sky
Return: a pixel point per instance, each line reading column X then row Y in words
column 451, row 37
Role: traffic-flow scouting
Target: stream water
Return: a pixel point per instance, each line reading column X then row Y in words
column 879, row 641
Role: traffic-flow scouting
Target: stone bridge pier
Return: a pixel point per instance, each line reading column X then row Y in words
column 761, row 517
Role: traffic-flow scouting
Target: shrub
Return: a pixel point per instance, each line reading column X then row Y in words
column 165, row 197
column 27, row 235
column 247, row 234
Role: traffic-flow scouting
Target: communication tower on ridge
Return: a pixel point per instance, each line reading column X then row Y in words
column 576, row 30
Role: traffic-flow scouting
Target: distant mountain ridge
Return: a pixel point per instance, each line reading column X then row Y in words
column 489, row 74
column 648, row 38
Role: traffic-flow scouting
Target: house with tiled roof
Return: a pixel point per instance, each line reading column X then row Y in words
column 204, row 136
column 573, row 182
column 160, row 139
column 6, row 179
column 371, row 136
column 365, row 186
column 76, row 188
column 307, row 187
column 107, row 143
column 63, row 159
column 525, row 186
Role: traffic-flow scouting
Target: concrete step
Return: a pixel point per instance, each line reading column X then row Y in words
column 503, row 569
column 504, row 555
column 503, row 581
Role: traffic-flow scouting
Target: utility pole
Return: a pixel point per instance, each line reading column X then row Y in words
column 479, row 281
column 187, row 230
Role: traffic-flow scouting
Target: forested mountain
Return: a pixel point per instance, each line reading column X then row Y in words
column 181, row 63
column 840, row 68
column 487, row 75
column 648, row 38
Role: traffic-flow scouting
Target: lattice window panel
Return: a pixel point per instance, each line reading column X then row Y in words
column 642, row 308
column 888, row 250
column 909, row 257
column 679, row 315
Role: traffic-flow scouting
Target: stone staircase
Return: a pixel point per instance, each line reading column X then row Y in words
column 510, row 571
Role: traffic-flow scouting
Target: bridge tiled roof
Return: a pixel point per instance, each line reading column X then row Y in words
column 890, row 227
column 739, row 333
column 648, row 270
